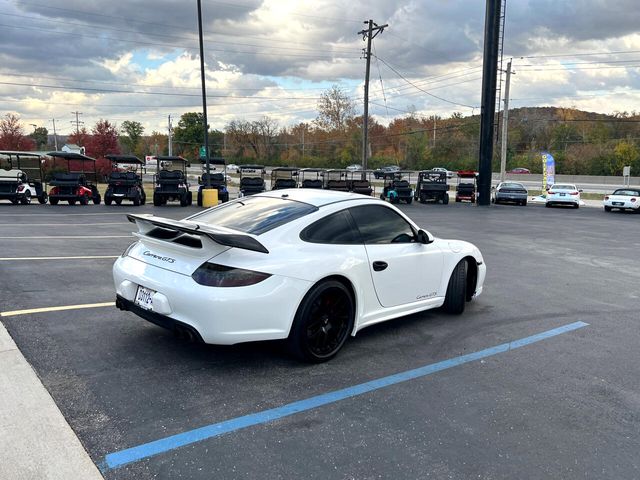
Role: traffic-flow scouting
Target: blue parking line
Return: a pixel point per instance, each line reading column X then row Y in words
column 146, row 450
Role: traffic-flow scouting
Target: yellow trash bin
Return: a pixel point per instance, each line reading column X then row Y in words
column 209, row 197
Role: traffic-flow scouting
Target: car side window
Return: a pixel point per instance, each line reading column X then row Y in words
column 335, row 229
column 379, row 224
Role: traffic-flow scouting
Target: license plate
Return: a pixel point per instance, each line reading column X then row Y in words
column 144, row 297
column 618, row 203
column 562, row 194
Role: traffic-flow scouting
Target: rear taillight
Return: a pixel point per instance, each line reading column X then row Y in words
column 20, row 188
column 214, row 275
column 606, row 197
column 551, row 192
column 574, row 193
column 633, row 199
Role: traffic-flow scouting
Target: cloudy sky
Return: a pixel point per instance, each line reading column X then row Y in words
column 138, row 59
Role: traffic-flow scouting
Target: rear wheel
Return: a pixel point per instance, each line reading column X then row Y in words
column 409, row 200
column 548, row 204
column 445, row 199
column 322, row 323
column 53, row 201
column 455, row 299
column 136, row 200
column 523, row 203
column 84, row 199
column 27, row 198
column 607, row 208
column 107, row 200
column 199, row 198
column 184, row 201
column 43, row 198
column 118, row 201
column 72, row 201
column 143, row 198
column 97, row 199
column 157, row 201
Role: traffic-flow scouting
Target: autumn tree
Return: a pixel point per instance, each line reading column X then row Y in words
column 12, row 135
column 79, row 137
column 335, row 108
column 103, row 141
column 132, row 132
column 40, row 137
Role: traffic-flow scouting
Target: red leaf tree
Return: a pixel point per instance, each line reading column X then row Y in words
column 103, row 141
column 12, row 135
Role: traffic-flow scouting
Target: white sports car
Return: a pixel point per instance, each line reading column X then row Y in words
column 623, row 198
column 310, row 266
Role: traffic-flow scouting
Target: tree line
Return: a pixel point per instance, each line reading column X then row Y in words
column 581, row 142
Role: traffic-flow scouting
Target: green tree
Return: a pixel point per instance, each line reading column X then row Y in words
column 133, row 132
column 624, row 154
column 335, row 108
column 188, row 136
column 41, row 137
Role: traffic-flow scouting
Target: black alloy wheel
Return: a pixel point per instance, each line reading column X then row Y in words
column 26, row 200
column 323, row 322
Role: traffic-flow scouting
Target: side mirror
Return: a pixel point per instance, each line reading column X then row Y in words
column 424, row 237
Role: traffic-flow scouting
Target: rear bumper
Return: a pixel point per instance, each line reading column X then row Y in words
column 159, row 319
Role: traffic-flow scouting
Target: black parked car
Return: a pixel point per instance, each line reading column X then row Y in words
column 390, row 171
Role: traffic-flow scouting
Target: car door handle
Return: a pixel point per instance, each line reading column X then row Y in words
column 379, row 266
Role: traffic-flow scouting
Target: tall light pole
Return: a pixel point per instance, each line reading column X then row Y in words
column 204, row 97
column 505, row 125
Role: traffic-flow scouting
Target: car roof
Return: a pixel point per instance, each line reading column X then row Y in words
column 314, row 196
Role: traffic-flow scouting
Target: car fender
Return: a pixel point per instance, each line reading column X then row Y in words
column 454, row 251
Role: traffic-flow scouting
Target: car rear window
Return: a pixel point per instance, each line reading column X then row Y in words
column 254, row 214
column 512, row 185
column 629, row 193
column 564, row 187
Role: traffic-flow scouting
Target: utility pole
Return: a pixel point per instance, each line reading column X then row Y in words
column 488, row 104
column 303, row 146
column 170, row 135
column 505, row 124
column 77, row 122
column 369, row 35
column 55, row 137
column 434, row 131
column 204, row 98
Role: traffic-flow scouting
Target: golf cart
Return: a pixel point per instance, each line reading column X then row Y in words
column 466, row 188
column 76, row 184
column 251, row 179
column 21, row 177
column 432, row 185
column 283, row 177
column 336, row 179
column 217, row 180
column 310, row 177
column 396, row 189
column 359, row 182
column 127, row 184
column 171, row 185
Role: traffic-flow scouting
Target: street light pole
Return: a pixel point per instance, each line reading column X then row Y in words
column 204, row 97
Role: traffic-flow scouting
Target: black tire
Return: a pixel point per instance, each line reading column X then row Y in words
column 107, row 200
column 15, row 201
column 96, row 199
column 445, row 199
column 409, row 200
column 547, row 204
column 190, row 198
column 199, row 198
column 143, row 198
column 53, row 201
column 607, row 208
column 523, row 203
column 322, row 323
column 26, row 199
column 157, row 201
column 84, row 199
column 493, row 200
column 118, row 201
column 576, row 206
column 456, row 297
column 225, row 197
column 136, row 200
column 184, row 200
column 382, row 196
column 42, row 199
column 72, row 201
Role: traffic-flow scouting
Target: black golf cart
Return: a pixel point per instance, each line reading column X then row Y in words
column 171, row 182
column 125, row 180
column 310, row 177
column 432, row 185
column 217, row 180
column 251, row 179
column 466, row 188
column 360, row 182
column 336, row 179
column 75, row 183
column 284, row 177
column 21, row 177
column 398, row 189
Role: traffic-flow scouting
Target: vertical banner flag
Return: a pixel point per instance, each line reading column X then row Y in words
column 548, row 171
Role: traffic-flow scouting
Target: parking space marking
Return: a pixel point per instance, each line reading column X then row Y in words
column 56, row 309
column 83, row 257
column 134, row 454
column 59, row 214
column 77, row 237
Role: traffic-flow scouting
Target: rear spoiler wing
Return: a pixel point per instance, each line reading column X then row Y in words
column 146, row 223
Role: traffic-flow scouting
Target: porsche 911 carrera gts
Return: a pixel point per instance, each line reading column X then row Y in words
column 309, row 266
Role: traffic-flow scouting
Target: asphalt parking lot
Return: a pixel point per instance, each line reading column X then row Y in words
column 565, row 406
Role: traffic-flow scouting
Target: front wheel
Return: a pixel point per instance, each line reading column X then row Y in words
column 456, row 297
column 27, row 198
column 322, row 323
column 607, row 208
column 42, row 199
column 445, row 199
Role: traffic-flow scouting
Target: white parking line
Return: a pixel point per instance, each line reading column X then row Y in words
column 59, row 214
column 82, row 257
column 56, row 309
column 79, row 237
column 22, row 225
